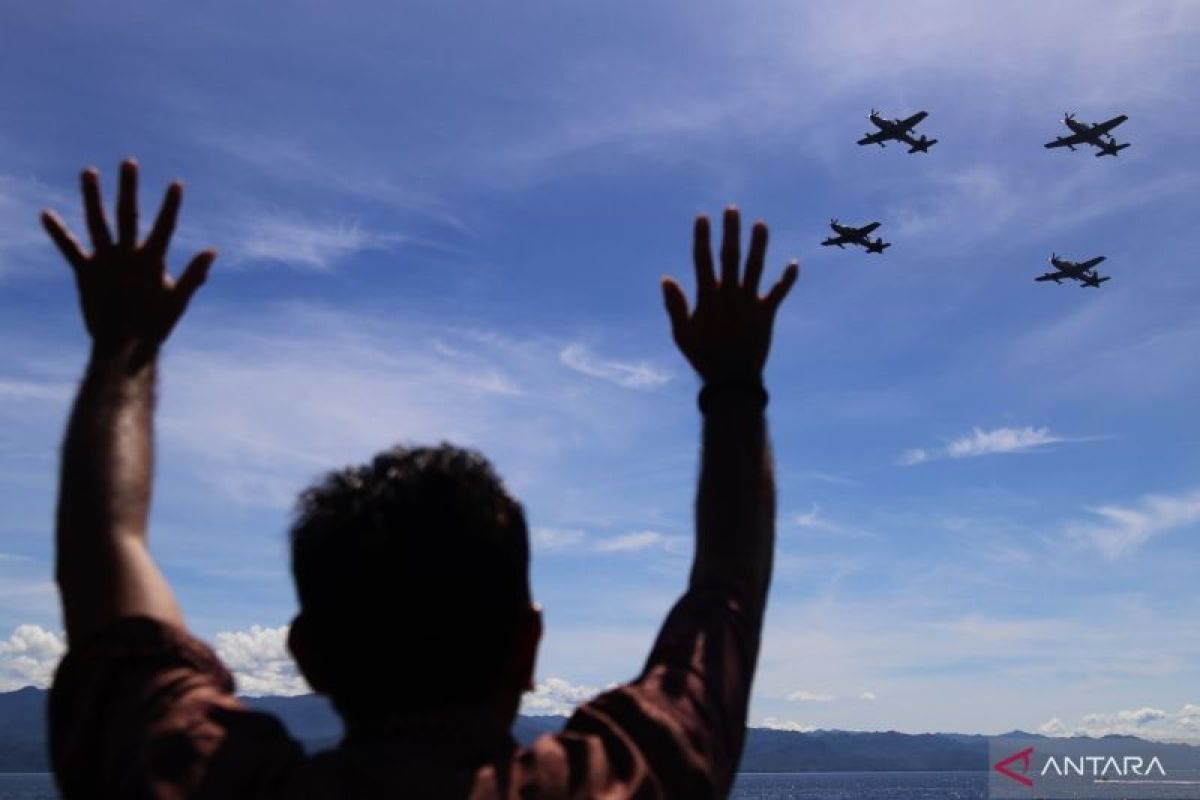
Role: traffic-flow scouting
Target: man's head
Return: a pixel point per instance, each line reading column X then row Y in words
column 413, row 578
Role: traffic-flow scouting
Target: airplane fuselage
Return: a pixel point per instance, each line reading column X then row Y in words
column 1089, row 133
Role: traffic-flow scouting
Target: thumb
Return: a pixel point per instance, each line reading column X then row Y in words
column 194, row 275
column 676, row 303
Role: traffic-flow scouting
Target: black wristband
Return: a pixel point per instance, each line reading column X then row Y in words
column 720, row 393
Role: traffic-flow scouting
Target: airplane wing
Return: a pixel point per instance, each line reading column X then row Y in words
column 1052, row 276
column 873, row 138
column 1105, row 127
column 1085, row 266
column 865, row 229
column 914, row 119
column 1066, row 141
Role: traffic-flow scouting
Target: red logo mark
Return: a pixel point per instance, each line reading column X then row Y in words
column 1023, row 757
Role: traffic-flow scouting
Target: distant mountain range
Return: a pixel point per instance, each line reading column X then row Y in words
column 313, row 722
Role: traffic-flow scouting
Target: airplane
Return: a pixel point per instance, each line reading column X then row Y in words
column 898, row 129
column 1082, row 271
column 848, row 234
column 1091, row 133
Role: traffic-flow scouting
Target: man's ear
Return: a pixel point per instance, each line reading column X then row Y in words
column 529, row 636
column 307, row 654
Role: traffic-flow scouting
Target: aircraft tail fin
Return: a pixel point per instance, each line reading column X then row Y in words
column 1112, row 149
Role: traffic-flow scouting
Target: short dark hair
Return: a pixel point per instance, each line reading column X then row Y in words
column 412, row 572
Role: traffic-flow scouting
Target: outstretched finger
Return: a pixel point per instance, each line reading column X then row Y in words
column 194, row 275
column 676, row 303
column 754, row 259
column 93, row 210
column 783, row 286
column 164, row 225
column 730, row 248
column 702, row 256
column 67, row 244
column 127, row 210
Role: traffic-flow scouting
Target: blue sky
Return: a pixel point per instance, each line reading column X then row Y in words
column 448, row 221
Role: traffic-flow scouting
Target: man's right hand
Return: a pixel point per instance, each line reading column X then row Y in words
column 728, row 335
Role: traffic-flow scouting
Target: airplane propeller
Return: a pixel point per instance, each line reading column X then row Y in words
column 1068, row 115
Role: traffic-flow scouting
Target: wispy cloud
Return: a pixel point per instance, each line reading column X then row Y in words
column 15, row 390
column 969, row 205
column 1125, row 529
column 632, row 542
column 556, row 539
column 21, row 199
column 630, row 375
column 291, row 161
column 301, row 242
column 304, row 388
column 983, row 443
column 815, row 519
column 827, row 477
column 573, row 541
column 805, row 696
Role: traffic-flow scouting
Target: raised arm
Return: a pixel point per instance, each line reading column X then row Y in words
column 129, row 304
column 677, row 730
column 726, row 339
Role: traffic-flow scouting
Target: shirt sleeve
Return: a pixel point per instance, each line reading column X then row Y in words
column 144, row 710
column 677, row 731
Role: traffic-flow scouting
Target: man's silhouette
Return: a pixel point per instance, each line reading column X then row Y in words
column 421, row 555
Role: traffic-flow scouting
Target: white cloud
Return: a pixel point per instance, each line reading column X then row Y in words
column 1126, row 529
column 810, row 519
column 555, row 539
column 980, row 203
column 1146, row 722
column 34, row 391
column 303, row 389
column 982, row 443
column 827, row 477
column 917, row 455
column 292, row 161
column 816, row 520
column 632, row 542
column 300, row 242
column 260, row 661
column 776, row 724
column 1000, row 440
column 630, row 375
column 1052, row 50
column 575, row 541
column 29, row 656
column 557, row 697
column 21, row 200
column 868, row 696
column 805, row 696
